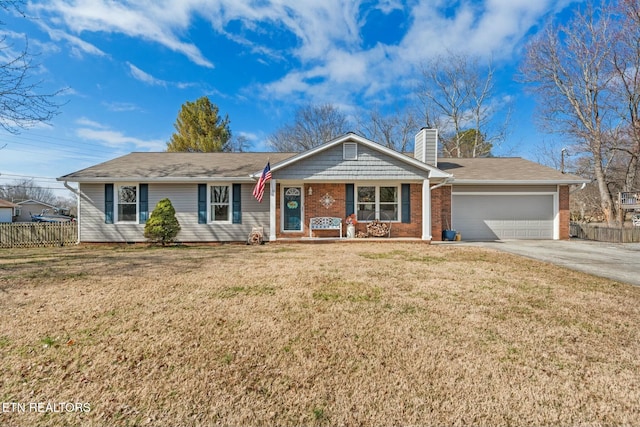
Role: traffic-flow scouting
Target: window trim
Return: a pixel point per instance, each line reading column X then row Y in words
column 116, row 202
column 229, row 219
column 346, row 147
column 377, row 187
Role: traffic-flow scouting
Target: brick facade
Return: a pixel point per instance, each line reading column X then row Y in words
column 313, row 208
column 440, row 211
column 563, row 206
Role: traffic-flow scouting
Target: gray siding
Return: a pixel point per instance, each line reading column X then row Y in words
column 426, row 146
column 184, row 198
column 370, row 165
column 28, row 209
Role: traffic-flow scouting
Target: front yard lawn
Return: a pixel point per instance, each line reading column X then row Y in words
column 363, row 333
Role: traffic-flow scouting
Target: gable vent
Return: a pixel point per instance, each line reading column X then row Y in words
column 350, row 151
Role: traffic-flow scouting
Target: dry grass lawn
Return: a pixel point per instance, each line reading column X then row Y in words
column 362, row 334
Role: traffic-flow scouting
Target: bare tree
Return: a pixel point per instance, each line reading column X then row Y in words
column 26, row 189
column 395, row 131
column 626, row 86
column 313, row 125
column 571, row 71
column 22, row 103
column 458, row 95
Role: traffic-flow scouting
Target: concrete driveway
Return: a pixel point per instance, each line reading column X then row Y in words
column 617, row 261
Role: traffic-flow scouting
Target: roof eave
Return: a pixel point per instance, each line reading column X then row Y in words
column 178, row 180
column 520, row 181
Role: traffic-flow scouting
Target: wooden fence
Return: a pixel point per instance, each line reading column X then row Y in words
column 38, row 234
column 603, row 233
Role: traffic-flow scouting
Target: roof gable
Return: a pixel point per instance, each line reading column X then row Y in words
column 430, row 171
column 34, row 202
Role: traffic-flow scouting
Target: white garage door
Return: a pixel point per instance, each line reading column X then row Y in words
column 6, row 214
column 492, row 217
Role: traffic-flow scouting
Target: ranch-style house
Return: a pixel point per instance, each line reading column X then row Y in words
column 418, row 195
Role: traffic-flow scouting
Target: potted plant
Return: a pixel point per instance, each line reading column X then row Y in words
column 448, row 233
column 351, row 221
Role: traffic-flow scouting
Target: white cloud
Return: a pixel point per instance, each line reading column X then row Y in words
column 329, row 56
column 144, row 77
column 154, row 21
column 95, row 131
column 147, row 78
column 83, row 121
column 121, row 106
column 78, row 46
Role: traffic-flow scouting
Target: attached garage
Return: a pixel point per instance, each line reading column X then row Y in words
column 6, row 211
column 488, row 216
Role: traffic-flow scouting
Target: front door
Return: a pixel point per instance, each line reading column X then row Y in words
column 292, row 209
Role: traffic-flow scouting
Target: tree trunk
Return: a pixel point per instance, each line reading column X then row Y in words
column 606, row 202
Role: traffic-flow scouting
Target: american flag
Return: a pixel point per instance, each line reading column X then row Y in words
column 258, row 190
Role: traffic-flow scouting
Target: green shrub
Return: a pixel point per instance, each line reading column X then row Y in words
column 162, row 226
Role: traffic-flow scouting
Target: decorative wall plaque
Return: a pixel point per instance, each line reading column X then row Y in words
column 327, row 200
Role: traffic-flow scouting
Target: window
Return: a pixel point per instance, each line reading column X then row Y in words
column 219, row 196
column 377, row 202
column 127, row 203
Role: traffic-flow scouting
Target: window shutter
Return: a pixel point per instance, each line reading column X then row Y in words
column 406, row 203
column 144, row 203
column 349, row 203
column 108, row 203
column 237, row 205
column 202, row 203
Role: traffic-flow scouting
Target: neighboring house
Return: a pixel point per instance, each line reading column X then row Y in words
column 32, row 207
column 483, row 199
column 7, row 211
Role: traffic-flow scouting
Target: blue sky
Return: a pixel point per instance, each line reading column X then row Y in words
column 128, row 66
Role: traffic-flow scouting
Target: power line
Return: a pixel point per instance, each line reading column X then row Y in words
column 38, row 187
column 54, row 148
column 25, row 176
column 74, row 144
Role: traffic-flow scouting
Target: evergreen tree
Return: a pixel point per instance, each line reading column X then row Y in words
column 199, row 128
column 163, row 225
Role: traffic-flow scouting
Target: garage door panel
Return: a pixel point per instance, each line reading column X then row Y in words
column 492, row 217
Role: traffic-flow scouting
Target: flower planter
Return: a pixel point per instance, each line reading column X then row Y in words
column 449, row 235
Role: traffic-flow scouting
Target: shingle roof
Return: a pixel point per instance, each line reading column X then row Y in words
column 503, row 169
column 163, row 166
column 178, row 166
column 7, row 204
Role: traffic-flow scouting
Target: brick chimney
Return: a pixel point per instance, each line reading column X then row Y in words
column 426, row 146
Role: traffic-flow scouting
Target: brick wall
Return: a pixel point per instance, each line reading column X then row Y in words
column 563, row 202
column 440, row 211
column 314, row 208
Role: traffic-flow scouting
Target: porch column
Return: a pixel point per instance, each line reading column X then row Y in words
column 272, row 210
column 426, row 210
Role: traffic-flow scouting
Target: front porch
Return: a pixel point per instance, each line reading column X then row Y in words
column 417, row 212
column 376, row 240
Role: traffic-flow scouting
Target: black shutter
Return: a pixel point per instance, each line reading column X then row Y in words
column 108, row 203
column 202, row 203
column 144, row 203
column 406, row 203
column 237, row 204
column 349, row 200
